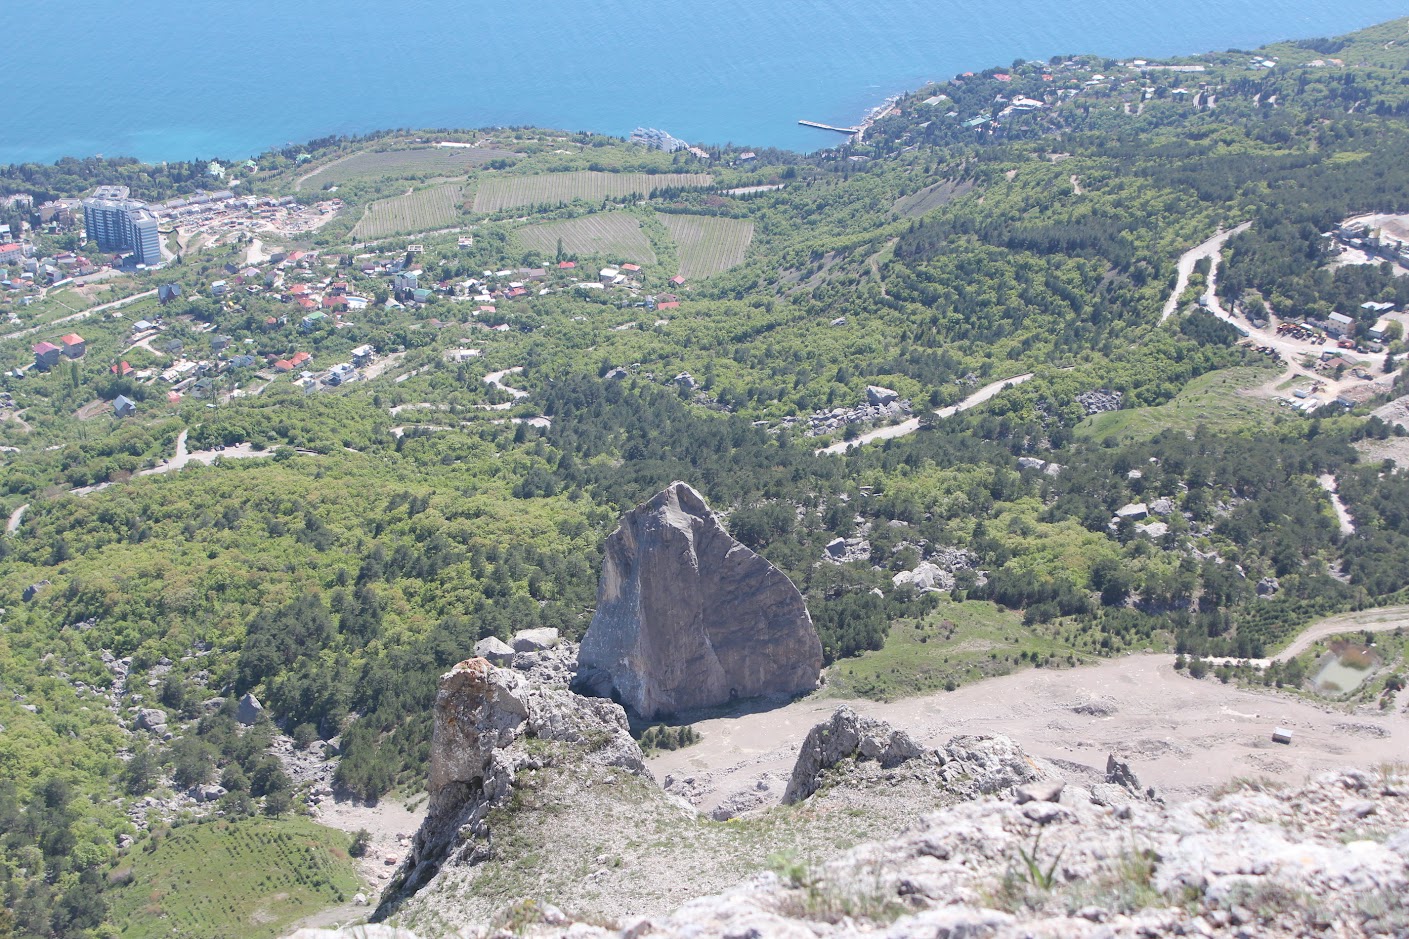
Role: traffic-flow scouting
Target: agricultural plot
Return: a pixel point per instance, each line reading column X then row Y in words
column 389, row 164
column 248, row 878
column 931, row 197
column 610, row 234
column 708, row 245
column 422, row 210
column 508, row 192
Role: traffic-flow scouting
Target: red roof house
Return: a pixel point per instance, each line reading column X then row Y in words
column 121, row 369
column 677, row 280
column 566, row 265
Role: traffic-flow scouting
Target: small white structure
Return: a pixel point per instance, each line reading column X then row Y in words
column 1281, row 735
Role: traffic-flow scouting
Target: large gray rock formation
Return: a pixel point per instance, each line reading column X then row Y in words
column 484, row 719
column 689, row 618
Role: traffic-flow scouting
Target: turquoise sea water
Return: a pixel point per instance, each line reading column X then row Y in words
column 181, row 79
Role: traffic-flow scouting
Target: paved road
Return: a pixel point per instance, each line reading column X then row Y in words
column 913, row 424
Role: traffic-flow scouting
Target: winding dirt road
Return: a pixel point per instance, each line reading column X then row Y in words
column 913, row 424
column 1211, row 249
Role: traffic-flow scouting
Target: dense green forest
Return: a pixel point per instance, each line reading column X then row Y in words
column 377, row 530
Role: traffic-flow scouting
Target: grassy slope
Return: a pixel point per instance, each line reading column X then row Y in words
column 1213, row 399
column 249, row 878
column 508, row 192
column 958, row 642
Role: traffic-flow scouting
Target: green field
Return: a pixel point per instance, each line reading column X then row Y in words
column 418, row 211
column 608, row 234
column 507, row 192
column 250, row 878
column 1212, row 399
column 708, row 245
column 955, row 644
column 389, row 164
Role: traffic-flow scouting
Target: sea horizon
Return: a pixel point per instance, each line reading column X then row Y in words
column 734, row 72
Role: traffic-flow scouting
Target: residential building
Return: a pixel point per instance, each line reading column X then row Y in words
column 1338, row 324
column 46, row 355
column 74, row 346
column 117, row 223
column 124, row 406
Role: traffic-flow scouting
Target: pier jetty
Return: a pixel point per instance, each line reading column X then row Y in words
column 821, row 126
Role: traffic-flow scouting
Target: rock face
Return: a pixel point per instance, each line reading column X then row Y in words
column 484, row 718
column 688, row 618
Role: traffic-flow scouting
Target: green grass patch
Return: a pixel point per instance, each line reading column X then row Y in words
column 418, row 211
column 955, row 644
column 616, row 235
column 708, row 245
column 248, row 878
column 1213, row 399
column 390, row 164
column 507, row 192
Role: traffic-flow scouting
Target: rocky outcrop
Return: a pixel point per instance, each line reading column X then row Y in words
column 491, row 724
column 846, row 736
column 689, row 618
column 967, row 766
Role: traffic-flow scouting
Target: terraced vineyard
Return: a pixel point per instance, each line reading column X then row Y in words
column 612, row 234
column 708, row 245
column 551, row 188
column 418, row 211
column 249, row 878
column 389, row 164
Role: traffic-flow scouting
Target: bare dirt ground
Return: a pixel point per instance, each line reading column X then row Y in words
column 1392, row 448
column 1181, row 736
column 1328, row 483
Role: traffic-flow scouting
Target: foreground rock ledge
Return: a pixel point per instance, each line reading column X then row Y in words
column 487, row 721
column 689, row 618
column 1329, row 858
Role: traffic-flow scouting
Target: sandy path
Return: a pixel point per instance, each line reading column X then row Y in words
column 1382, row 619
column 1181, row 736
column 1209, row 249
column 913, row 424
column 183, row 457
column 1328, row 483
column 16, row 519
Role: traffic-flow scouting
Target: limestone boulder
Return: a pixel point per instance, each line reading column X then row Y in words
column 249, row 709
column 688, row 618
column 494, row 649
column 151, row 719
column 535, row 640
